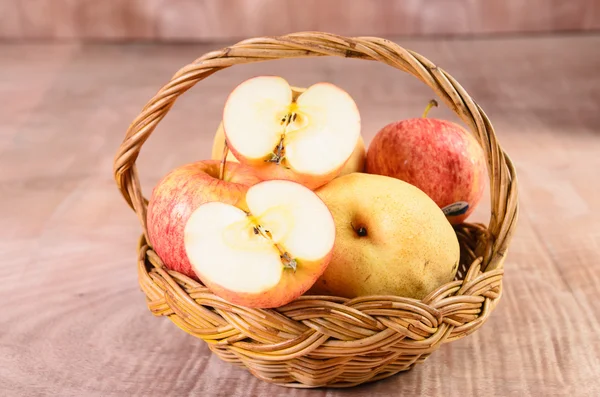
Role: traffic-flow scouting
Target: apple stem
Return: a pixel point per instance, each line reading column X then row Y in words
column 288, row 261
column 223, row 161
column 433, row 103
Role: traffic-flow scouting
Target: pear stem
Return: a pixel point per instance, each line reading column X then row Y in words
column 433, row 103
column 223, row 161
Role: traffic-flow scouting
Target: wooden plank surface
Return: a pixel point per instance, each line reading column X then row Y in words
column 74, row 322
column 206, row 20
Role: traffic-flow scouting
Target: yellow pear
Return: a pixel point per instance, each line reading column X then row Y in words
column 391, row 239
column 356, row 162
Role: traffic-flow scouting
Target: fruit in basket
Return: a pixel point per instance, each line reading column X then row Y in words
column 266, row 251
column 306, row 140
column 391, row 238
column 356, row 162
column 438, row 156
column 179, row 193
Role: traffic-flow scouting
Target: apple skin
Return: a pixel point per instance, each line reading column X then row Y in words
column 356, row 162
column 179, row 193
column 437, row 156
column 290, row 287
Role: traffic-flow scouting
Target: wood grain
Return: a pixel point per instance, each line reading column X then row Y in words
column 74, row 322
column 207, row 20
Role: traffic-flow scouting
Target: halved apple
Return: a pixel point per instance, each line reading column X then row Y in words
column 267, row 254
column 305, row 138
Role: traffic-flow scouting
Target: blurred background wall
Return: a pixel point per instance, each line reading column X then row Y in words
column 211, row 20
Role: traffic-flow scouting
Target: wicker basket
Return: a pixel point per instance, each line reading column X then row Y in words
column 323, row 340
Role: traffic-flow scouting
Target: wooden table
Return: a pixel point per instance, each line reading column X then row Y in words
column 73, row 320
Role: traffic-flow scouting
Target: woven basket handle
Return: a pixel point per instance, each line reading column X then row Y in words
column 503, row 184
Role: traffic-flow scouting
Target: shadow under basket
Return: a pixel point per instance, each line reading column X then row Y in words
column 323, row 340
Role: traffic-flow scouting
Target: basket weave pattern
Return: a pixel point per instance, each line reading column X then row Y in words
column 324, row 340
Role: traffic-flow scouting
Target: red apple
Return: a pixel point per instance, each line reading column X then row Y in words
column 439, row 157
column 179, row 193
column 265, row 252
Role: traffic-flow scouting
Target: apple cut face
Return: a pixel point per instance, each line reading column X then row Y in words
column 267, row 256
column 305, row 138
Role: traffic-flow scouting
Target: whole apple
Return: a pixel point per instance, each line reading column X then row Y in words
column 437, row 156
column 181, row 192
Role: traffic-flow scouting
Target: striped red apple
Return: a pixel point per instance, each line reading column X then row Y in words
column 438, row 156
